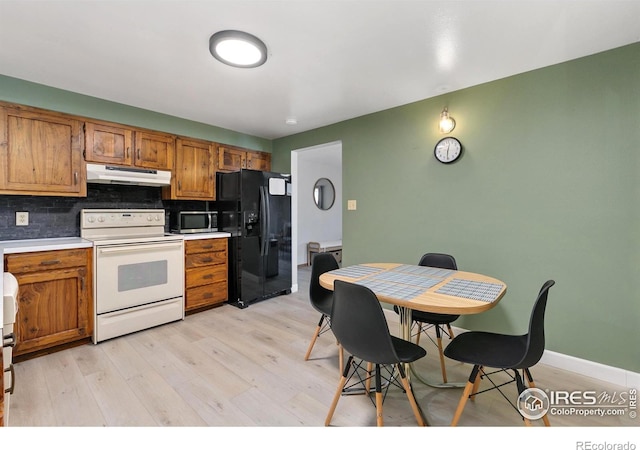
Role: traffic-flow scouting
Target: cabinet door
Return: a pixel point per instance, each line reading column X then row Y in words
column 194, row 173
column 231, row 159
column 154, row 150
column 53, row 309
column 40, row 154
column 259, row 161
column 108, row 144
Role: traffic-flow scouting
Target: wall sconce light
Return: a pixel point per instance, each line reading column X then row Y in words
column 447, row 124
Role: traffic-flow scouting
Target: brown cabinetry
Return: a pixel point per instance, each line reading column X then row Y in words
column 194, row 174
column 40, row 153
column 206, row 276
column 231, row 159
column 55, row 299
column 120, row 145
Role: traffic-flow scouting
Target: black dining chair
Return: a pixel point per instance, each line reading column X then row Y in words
column 425, row 321
column 359, row 323
column 322, row 299
column 502, row 352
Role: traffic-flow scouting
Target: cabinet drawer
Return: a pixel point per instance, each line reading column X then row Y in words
column 205, row 245
column 205, row 275
column 205, row 259
column 48, row 260
column 206, row 295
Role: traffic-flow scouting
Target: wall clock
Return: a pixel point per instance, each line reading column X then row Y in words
column 448, row 150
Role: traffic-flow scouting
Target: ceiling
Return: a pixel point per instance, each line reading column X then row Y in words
column 328, row 60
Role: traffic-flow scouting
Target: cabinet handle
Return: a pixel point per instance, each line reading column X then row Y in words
column 75, row 177
column 128, row 154
column 138, row 154
column 207, row 260
column 207, row 277
column 9, row 340
column 207, row 295
column 179, row 185
column 50, row 262
column 13, row 380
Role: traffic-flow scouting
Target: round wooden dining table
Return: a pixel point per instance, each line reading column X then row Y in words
column 421, row 288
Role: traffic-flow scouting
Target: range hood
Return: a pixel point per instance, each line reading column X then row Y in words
column 104, row 174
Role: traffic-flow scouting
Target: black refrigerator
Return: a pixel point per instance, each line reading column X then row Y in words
column 255, row 207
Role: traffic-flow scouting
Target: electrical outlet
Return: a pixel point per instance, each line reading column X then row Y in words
column 351, row 205
column 22, row 219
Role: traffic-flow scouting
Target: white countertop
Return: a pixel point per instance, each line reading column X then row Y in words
column 37, row 245
column 212, row 235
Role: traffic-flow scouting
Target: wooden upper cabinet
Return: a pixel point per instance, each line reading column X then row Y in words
column 40, row 153
column 194, row 173
column 258, row 160
column 154, row 150
column 108, row 144
column 231, row 159
column 123, row 146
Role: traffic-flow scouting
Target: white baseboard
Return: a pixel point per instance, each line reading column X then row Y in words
column 592, row 369
column 608, row 374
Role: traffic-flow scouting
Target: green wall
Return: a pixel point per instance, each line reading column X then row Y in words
column 548, row 187
column 32, row 94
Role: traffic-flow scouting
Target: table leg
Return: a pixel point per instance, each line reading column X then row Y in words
column 405, row 329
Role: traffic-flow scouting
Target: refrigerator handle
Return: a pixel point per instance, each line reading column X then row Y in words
column 265, row 220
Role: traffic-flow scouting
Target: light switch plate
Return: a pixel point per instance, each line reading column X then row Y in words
column 351, row 205
column 22, row 219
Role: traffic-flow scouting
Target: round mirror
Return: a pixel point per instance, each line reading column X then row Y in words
column 324, row 194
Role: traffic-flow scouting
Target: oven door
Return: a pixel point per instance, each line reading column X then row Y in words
column 134, row 274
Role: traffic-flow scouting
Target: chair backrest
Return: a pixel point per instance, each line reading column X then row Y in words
column 535, row 336
column 439, row 260
column 322, row 262
column 359, row 324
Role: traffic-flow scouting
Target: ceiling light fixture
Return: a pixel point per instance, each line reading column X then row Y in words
column 238, row 49
column 447, row 124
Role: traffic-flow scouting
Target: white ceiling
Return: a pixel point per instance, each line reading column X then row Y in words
column 328, row 60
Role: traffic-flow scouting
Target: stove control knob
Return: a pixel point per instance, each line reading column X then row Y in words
column 100, row 218
column 157, row 218
column 91, row 219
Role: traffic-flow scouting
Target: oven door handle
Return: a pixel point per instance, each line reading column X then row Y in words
column 137, row 248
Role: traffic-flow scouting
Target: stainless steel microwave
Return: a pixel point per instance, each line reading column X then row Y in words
column 194, row 221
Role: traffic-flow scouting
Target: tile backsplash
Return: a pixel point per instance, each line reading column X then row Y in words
column 52, row 217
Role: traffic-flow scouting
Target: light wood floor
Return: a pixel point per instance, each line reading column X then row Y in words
column 232, row 367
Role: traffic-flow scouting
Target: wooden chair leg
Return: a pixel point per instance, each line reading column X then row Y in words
column 476, row 384
column 338, row 394
column 531, row 384
column 465, row 395
column 379, row 398
column 451, row 335
column 313, row 339
column 367, row 382
column 440, row 352
column 340, row 356
column 412, row 399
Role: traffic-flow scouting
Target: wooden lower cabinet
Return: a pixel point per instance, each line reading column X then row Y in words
column 55, row 304
column 206, row 273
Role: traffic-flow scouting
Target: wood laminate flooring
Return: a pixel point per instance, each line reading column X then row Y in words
column 231, row 367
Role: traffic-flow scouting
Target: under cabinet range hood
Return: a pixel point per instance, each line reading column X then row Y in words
column 104, row 174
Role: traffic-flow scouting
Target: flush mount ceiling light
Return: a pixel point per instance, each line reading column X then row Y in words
column 238, row 49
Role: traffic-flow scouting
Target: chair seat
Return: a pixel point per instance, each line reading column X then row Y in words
column 407, row 351
column 480, row 347
column 433, row 318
